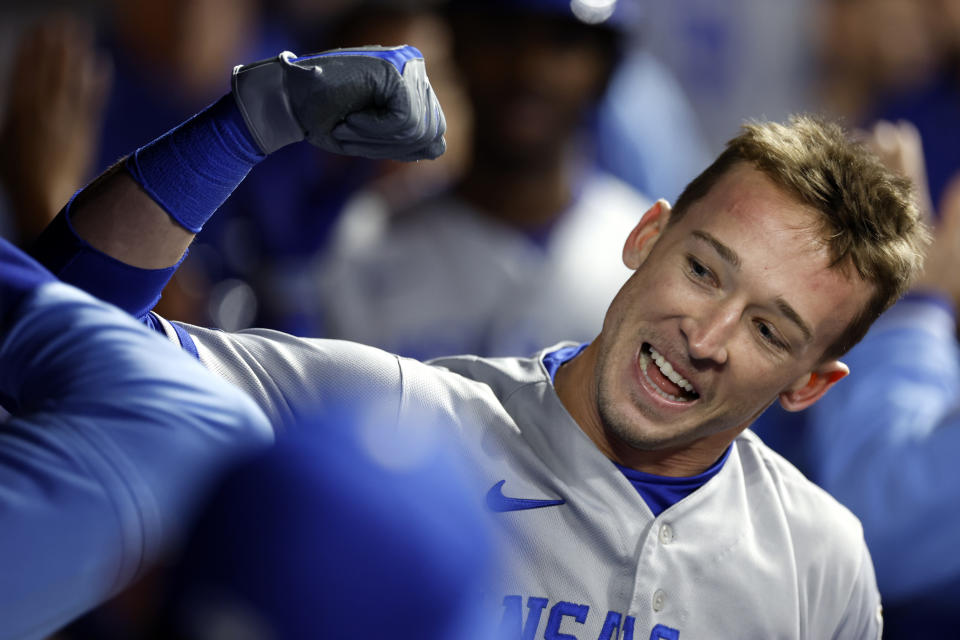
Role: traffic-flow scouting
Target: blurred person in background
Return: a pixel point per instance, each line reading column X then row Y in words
column 885, row 443
column 528, row 203
column 865, row 49
column 52, row 122
column 646, row 130
column 735, row 60
column 932, row 102
column 896, row 60
column 150, row 64
column 168, row 59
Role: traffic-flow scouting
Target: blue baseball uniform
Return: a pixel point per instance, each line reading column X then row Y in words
column 112, row 432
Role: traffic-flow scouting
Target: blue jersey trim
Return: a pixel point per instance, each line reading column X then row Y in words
column 554, row 359
column 659, row 492
column 662, row 492
column 154, row 323
column 186, row 342
column 398, row 57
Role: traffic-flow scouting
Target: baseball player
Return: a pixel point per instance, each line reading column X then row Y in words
column 632, row 499
column 101, row 414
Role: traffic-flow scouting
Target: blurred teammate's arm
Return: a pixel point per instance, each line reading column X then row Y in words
column 373, row 102
column 112, row 434
column 887, row 438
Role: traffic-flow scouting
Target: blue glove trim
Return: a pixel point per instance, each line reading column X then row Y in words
column 76, row 262
column 192, row 169
column 20, row 275
column 398, row 56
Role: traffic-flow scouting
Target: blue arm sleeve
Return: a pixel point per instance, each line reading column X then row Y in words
column 885, row 443
column 74, row 261
column 113, row 434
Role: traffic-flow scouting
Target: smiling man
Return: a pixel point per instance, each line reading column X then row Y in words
column 633, row 502
column 732, row 304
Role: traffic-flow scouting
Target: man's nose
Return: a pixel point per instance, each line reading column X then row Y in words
column 709, row 332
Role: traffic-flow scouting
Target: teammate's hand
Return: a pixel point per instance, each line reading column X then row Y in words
column 54, row 113
column 900, row 147
column 943, row 257
column 374, row 102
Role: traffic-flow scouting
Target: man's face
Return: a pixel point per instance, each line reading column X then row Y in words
column 738, row 300
column 531, row 79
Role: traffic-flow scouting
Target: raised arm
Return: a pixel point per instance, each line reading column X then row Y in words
column 113, row 432
column 374, row 102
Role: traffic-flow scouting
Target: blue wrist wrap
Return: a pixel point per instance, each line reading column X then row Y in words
column 193, row 168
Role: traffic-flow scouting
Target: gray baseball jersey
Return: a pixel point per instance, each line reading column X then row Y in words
column 757, row 552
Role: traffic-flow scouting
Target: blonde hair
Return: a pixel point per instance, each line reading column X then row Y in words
column 869, row 218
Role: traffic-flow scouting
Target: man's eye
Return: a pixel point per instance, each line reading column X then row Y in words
column 697, row 269
column 767, row 333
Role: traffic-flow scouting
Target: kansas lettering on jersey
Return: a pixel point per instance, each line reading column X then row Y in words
column 562, row 616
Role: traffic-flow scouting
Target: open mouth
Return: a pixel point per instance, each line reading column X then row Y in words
column 662, row 377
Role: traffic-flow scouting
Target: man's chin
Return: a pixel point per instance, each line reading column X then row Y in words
column 652, row 442
column 638, row 432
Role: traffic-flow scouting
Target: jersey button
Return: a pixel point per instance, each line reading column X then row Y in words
column 666, row 534
column 658, row 599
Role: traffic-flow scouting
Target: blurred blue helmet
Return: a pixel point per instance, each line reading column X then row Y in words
column 345, row 524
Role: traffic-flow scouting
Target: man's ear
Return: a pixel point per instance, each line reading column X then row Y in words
column 645, row 234
column 811, row 387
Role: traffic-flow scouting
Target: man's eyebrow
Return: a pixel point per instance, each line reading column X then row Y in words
column 792, row 315
column 728, row 254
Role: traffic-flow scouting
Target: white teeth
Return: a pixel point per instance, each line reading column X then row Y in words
column 667, row 370
column 644, row 361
